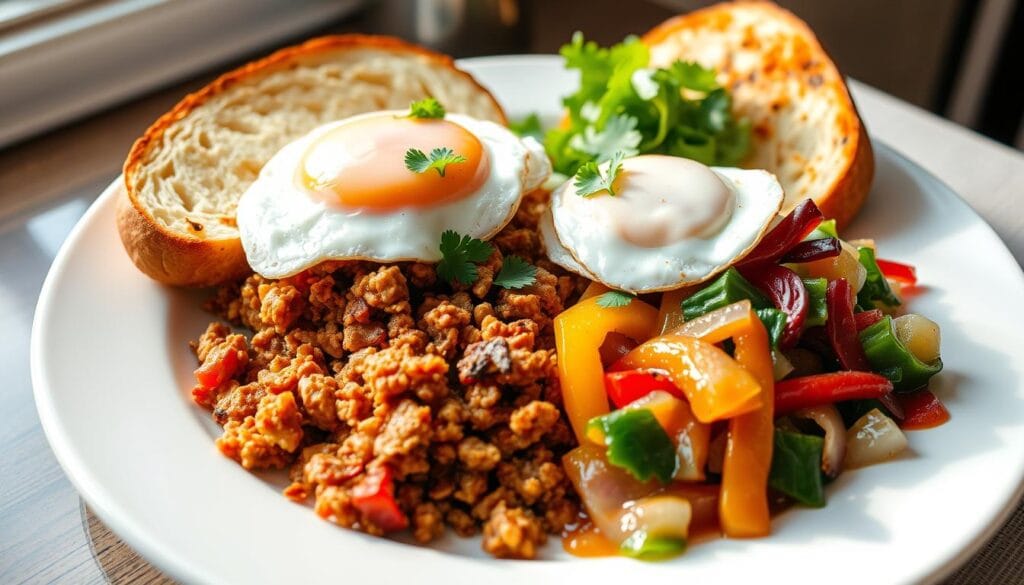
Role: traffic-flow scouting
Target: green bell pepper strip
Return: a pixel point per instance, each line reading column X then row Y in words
column 876, row 287
column 889, row 357
column 774, row 322
column 825, row 229
column 641, row 545
column 817, row 308
column 727, row 289
column 796, row 467
column 637, row 443
column 730, row 288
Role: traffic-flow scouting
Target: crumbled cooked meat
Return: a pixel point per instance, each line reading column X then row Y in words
column 513, row 533
column 485, row 358
column 354, row 368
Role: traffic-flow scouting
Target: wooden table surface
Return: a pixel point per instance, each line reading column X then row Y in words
column 48, row 535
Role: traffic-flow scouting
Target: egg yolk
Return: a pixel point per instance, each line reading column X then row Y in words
column 362, row 164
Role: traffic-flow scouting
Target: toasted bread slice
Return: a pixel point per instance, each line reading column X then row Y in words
column 184, row 176
column 805, row 126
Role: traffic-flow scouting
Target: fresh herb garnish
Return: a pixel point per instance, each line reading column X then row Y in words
column 459, row 255
column 623, row 104
column 426, row 109
column 589, row 180
column 438, row 160
column 528, row 126
column 515, row 273
column 614, row 299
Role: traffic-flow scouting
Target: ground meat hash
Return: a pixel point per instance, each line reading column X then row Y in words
column 359, row 372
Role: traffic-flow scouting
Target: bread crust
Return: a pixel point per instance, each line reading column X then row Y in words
column 848, row 192
column 180, row 259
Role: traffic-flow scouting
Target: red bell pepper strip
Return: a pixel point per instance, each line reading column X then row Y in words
column 812, row 250
column 922, row 410
column 822, row 389
column 866, row 319
column 374, row 497
column 904, row 273
column 790, row 231
column 787, row 292
column 841, row 327
column 628, row 385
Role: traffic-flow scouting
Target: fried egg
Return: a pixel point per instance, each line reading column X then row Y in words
column 672, row 222
column 344, row 191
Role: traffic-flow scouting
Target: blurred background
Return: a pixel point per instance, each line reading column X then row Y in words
column 62, row 60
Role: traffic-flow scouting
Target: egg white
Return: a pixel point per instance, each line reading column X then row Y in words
column 284, row 230
column 580, row 243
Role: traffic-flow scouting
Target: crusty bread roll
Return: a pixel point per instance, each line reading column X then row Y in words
column 805, row 127
column 184, row 176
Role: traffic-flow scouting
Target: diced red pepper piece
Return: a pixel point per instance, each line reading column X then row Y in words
column 628, row 385
column 812, row 250
column 219, row 366
column 867, row 318
column 893, row 405
column 904, row 273
column 790, row 231
column 787, row 292
column 822, row 389
column 922, row 410
column 374, row 497
column 841, row 327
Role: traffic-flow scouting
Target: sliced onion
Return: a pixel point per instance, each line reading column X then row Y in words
column 874, row 438
column 834, row 450
column 781, row 366
column 657, row 516
column 604, row 489
column 718, row 325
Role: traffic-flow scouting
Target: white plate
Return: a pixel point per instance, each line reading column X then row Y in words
column 111, row 371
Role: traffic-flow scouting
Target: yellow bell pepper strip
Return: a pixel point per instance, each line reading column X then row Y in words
column 670, row 315
column 579, row 333
column 716, row 386
column 594, row 289
column 743, row 507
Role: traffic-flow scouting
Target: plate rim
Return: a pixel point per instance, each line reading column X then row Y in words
column 100, row 500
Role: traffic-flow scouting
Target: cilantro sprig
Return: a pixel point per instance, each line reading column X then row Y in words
column 624, row 104
column 515, row 273
column 439, row 159
column 589, row 180
column 614, row 299
column 460, row 255
column 426, row 109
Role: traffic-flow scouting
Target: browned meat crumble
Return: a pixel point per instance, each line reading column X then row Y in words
column 355, row 368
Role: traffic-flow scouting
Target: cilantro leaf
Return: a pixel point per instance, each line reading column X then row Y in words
column 619, row 134
column 528, row 126
column 614, row 299
column 515, row 273
column 624, row 104
column 426, row 109
column 589, row 181
column 690, row 75
column 438, row 160
column 458, row 257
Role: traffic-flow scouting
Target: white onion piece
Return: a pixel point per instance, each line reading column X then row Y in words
column 834, row 450
column 874, row 438
column 660, row 516
column 781, row 366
